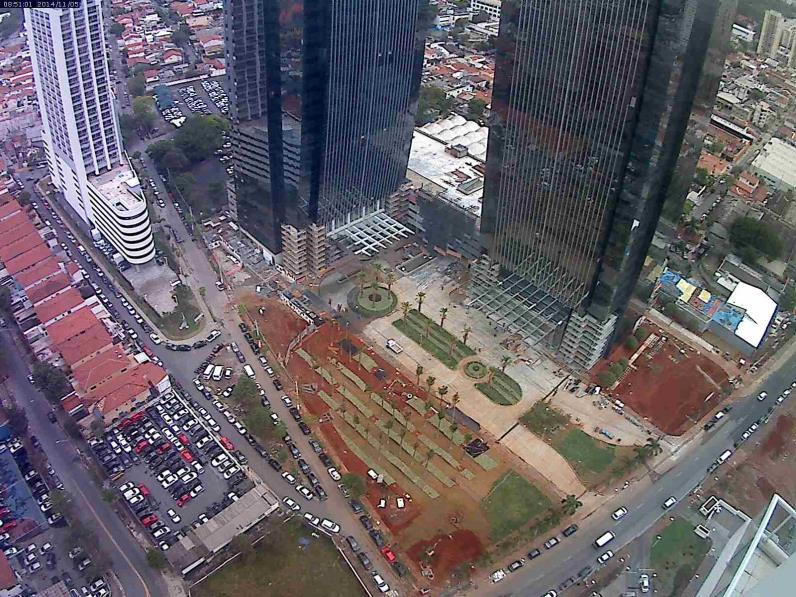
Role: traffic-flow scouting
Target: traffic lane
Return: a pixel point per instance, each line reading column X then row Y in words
column 645, row 509
column 128, row 558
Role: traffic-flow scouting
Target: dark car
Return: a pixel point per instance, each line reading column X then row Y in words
column 294, row 412
column 305, row 429
column 319, row 491
column 275, row 464
column 356, row 507
column 515, row 565
column 51, row 417
column 570, row 530
column 534, row 553
column 366, row 522
column 324, row 458
column 316, row 447
column 278, row 384
column 294, row 451
column 377, row 537
column 364, row 560
column 305, row 468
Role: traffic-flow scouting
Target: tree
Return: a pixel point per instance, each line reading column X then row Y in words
column 390, row 280
column 155, row 559
column 137, row 86
column 127, row 124
column 631, row 343
column 158, row 149
column 505, row 361
column 117, row 29
column 17, row 420
column 653, row 446
column 440, row 418
column 143, row 112
column 430, row 381
column 52, row 382
column 241, row 544
column 5, row 299
column 245, row 393
column 465, row 334
column 97, row 427
column 443, row 313
column 433, row 103
column 420, row 296
column 23, row 198
column 606, row 378
column 476, row 107
column 442, row 392
column 405, row 306
column 419, row 371
column 429, row 455
column 175, row 160
column 787, row 300
column 480, row 17
column 136, row 155
column 753, row 239
column 179, row 38
column 200, row 136
column 216, row 192
column 570, row 504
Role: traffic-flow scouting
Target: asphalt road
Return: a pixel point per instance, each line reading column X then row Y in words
column 129, row 562
column 643, row 500
column 181, row 365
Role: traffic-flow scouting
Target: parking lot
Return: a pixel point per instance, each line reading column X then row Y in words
column 180, row 473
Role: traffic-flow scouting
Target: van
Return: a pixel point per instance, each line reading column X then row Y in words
column 724, row 456
column 247, row 369
column 208, row 372
column 604, row 539
column 218, row 370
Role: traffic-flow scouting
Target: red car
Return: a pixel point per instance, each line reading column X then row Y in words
column 148, row 521
column 141, row 446
column 186, row 455
column 184, row 499
column 148, row 351
column 226, row 443
column 144, row 490
column 164, row 448
column 138, row 417
column 125, row 423
column 184, row 439
column 8, row 524
column 388, row 553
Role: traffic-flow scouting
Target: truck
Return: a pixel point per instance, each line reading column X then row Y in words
column 218, row 371
column 394, row 346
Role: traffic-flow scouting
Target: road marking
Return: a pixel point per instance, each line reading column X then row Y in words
column 118, row 547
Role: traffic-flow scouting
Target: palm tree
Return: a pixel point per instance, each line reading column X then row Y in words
column 443, row 313
column 653, row 446
column 451, row 344
column 357, row 421
column 405, row 306
column 441, row 392
column 429, row 456
column 454, row 429
column 390, row 280
column 570, row 504
column 466, row 334
column 420, row 297
column 428, row 404
column 419, row 371
column 428, row 327
column 388, row 426
column 415, row 446
column 404, row 431
column 468, row 437
column 360, row 280
column 440, row 418
column 455, row 399
column 378, row 269
column 430, row 381
column 505, row 362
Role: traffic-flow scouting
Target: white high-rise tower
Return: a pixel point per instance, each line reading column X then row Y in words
column 81, row 135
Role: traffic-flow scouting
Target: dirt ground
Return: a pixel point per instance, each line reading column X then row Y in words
column 280, row 323
column 670, row 384
column 453, row 524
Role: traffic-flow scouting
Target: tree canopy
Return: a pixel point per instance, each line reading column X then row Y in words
column 51, row 381
column 476, row 107
column 143, row 112
column 753, row 239
column 137, row 86
column 788, row 299
column 200, row 136
column 432, row 104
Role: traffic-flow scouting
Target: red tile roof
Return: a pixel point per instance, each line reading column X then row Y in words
column 10, row 236
column 119, row 390
column 14, row 222
column 58, row 305
column 23, row 244
column 7, row 578
column 45, row 269
column 71, row 325
column 48, row 288
column 28, row 259
column 95, row 339
column 100, row 367
column 9, row 208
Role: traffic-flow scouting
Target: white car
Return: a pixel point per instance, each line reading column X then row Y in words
column 135, row 499
column 619, row 513
column 155, row 338
column 175, row 518
column 219, row 459
column 333, row 473
column 289, row 478
column 241, row 429
column 291, row 504
column 230, row 472
column 602, row 559
column 330, row 525
column 305, row 492
column 164, row 530
column 380, row 583
column 762, row 396
column 310, row 518
column 131, row 493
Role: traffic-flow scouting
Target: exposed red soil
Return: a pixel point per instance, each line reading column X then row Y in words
column 781, row 436
column 673, row 390
column 279, row 324
column 449, row 551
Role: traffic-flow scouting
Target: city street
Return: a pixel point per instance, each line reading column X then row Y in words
column 129, row 561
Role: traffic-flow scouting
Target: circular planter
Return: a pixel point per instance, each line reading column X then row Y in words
column 374, row 301
column 475, row 370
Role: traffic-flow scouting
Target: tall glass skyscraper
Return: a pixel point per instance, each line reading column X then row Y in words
column 323, row 98
column 591, row 102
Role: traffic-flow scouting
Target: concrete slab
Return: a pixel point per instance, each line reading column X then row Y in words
column 153, row 282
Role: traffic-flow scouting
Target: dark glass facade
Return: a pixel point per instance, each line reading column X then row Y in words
column 590, row 106
column 331, row 88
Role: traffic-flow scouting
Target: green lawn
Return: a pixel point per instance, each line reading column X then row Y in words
column 439, row 342
column 511, row 503
column 676, row 557
column 186, row 305
column 501, row 389
column 587, row 455
column 279, row 566
column 544, row 420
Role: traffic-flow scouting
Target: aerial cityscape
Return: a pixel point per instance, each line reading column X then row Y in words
column 332, row 298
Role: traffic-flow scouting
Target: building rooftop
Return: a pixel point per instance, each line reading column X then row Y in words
column 777, row 160
column 759, row 309
column 26, row 241
column 120, row 187
column 28, row 259
column 46, row 289
column 104, row 365
column 78, row 347
column 58, row 305
column 14, row 222
column 48, row 267
column 7, row 577
column 459, row 178
column 116, row 391
column 9, row 208
column 72, row 325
